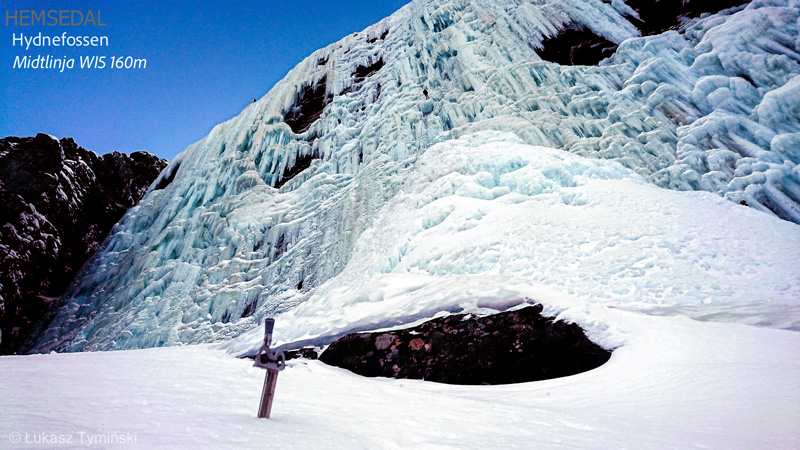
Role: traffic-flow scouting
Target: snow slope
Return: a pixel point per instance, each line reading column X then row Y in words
column 676, row 383
column 488, row 222
column 214, row 247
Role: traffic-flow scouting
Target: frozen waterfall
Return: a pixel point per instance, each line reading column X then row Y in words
column 434, row 162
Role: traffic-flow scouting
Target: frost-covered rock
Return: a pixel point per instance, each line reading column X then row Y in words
column 509, row 347
column 326, row 194
column 575, row 44
column 59, row 201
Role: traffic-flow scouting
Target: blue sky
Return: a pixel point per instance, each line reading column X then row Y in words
column 204, row 65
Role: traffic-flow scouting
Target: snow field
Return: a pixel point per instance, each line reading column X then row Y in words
column 673, row 383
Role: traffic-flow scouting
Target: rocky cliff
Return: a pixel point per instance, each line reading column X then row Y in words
column 59, row 201
column 511, row 347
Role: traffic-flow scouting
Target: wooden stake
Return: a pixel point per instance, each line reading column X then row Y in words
column 268, row 394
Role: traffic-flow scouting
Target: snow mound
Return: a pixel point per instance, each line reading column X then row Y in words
column 489, row 222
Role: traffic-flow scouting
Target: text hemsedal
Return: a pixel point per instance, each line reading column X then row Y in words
column 53, row 18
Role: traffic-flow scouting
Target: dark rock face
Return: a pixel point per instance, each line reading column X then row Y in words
column 59, row 201
column 308, row 106
column 580, row 46
column 363, row 72
column 510, row 347
column 302, row 162
column 576, row 47
column 305, row 353
column 661, row 15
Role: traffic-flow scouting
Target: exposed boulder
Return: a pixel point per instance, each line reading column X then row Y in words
column 510, row 347
column 59, row 201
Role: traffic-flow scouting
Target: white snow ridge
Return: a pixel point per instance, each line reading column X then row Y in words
column 434, row 163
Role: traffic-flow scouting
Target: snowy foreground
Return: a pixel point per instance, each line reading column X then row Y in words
column 674, row 383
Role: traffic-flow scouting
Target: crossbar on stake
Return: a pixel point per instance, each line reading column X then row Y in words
column 274, row 363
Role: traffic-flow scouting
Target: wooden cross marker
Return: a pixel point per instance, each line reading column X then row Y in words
column 268, row 394
column 274, row 363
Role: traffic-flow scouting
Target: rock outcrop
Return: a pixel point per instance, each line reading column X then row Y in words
column 577, row 45
column 510, row 347
column 59, row 201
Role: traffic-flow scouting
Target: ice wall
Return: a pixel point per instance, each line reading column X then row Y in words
column 214, row 246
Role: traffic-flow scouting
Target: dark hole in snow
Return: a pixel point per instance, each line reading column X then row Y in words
column 308, row 107
column 301, row 163
column 322, row 61
column 576, row 47
column 300, row 284
column 510, row 347
column 250, row 308
column 440, row 23
column 745, row 77
column 658, row 16
column 167, row 179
